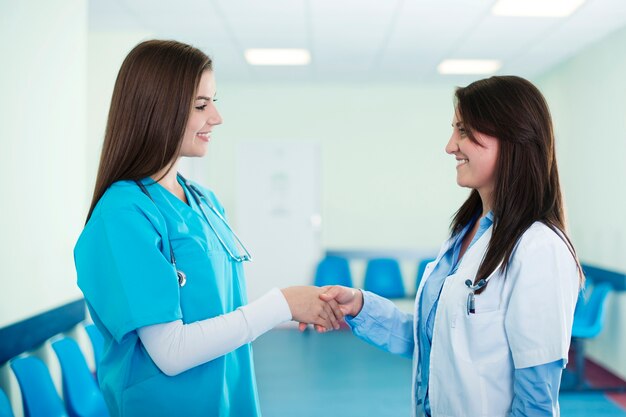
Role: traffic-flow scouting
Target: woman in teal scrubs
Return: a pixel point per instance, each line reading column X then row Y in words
column 159, row 267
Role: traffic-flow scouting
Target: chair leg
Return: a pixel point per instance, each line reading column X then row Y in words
column 579, row 355
column 579, row 383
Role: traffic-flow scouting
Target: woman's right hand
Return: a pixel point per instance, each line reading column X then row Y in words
column 307, row 306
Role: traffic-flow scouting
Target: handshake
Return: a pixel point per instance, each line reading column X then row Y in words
column 323, row 307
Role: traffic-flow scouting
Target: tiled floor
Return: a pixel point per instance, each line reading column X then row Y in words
column 335, row 374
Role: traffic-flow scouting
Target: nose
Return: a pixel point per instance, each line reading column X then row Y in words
column 215, row 118
column 452, row 146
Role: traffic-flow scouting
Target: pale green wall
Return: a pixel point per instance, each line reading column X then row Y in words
column 42, row 132
column 587, row 95
column 42, row 174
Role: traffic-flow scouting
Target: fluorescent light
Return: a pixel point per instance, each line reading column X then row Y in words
column 468, row 66
column 536, row 8
column 277, row 56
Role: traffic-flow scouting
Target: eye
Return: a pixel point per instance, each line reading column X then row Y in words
column 201, row 108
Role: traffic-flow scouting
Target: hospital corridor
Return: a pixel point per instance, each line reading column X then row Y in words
column 304, row 208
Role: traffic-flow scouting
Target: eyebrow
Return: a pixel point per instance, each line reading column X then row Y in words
column 203, row 98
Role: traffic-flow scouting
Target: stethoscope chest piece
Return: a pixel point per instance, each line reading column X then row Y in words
column 182, row 278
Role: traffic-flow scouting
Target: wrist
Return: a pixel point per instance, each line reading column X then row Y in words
column 287, row 293
column 358, row 305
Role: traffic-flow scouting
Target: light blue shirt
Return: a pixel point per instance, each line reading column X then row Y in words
column 535, row 388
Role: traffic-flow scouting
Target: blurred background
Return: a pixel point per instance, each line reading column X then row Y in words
column 337, row 148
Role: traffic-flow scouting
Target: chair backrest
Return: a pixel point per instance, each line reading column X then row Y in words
column 82, row 395
column 333, row 270
column 383, row 277
column 421, row 267
column 5, row 406
column 97, row 342
column 39, row 396
column 589, row 317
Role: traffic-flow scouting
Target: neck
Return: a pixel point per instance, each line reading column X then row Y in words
column 486, row 197
column 167, row 178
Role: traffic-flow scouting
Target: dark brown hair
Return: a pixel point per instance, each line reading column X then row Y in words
column 151, row 102
column 527, row 187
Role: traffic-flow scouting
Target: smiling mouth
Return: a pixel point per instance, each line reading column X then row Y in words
column 460, row 162
column 204, row 135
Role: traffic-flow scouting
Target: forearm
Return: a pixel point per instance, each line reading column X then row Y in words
column 536, row 390
column 176, row 347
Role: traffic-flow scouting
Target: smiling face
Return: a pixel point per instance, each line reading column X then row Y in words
column 202, row 118
column 476, row 162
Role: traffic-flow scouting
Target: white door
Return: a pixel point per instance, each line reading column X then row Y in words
column 278, row 212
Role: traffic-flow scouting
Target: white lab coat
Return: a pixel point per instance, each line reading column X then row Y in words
column 521, row 321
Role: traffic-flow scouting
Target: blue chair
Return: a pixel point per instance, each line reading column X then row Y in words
column 383, row 277
column 39, row 396
column 588, row 322
column 97, row 342
column 5, row 406
column 82, row 396
column 421, row 267
column 333, row 270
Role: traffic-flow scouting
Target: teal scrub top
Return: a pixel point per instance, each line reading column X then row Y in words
column 124, row 271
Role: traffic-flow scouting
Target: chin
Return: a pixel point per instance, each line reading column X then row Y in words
column 464, row 184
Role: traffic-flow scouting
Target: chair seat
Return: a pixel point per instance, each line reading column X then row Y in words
column 39, row 396
column 5, row 406
column 82, row 395
column 383, row 277
column 333, row 270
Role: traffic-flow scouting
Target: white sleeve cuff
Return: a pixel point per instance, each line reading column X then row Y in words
column 266, row 312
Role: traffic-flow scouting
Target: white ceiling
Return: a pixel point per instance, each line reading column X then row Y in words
column 363, row 40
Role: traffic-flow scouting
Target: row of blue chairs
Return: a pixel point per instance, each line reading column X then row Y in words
column 382, row 275
column 82, row 396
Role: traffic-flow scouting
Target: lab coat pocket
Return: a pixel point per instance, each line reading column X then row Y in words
column 481, row 338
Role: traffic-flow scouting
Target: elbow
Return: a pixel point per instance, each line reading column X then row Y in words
column 170, row 370
column 168, row 367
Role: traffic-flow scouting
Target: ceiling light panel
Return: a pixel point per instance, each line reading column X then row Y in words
column 469, row 66
column 275, row 56
column 536, row 8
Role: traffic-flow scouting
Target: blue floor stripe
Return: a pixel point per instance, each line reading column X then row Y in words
column 583, row 405
column 336, row 374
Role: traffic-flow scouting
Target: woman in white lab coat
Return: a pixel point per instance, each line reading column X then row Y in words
column 493, row 313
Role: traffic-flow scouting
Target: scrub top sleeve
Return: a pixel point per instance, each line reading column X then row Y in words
column 124, row 275
column 539, row 316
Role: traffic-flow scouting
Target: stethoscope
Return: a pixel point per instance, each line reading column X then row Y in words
column 198, row 197
column 471, row 297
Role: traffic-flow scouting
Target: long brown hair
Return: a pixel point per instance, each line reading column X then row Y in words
column 527, row 185
column 151, row 102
